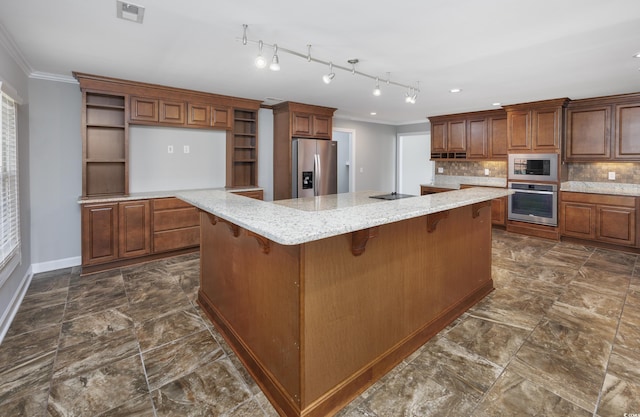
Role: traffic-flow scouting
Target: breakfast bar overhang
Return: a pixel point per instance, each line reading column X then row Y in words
column 320, row 297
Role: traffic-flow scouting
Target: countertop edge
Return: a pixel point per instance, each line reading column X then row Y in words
column 156, row 194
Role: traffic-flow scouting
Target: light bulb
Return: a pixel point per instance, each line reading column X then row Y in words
column 275, row 62
column 260, row 61
column 328, row 77
column 376, row 91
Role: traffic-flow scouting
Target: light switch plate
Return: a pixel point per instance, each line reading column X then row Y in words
column 486, row 171
column 186, row 148
column 170, row 149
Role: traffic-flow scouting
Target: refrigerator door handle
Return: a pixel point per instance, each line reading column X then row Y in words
column 317, row 170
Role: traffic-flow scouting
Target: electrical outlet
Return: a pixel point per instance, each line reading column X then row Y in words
column 486, row 171
column 186, row 148
column 170, row 149
column 440, row 170
column 612, row 175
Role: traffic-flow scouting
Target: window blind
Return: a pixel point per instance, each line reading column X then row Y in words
column 9, row 208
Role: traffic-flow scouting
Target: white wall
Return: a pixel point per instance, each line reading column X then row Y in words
column 414, row 166
column 265, row 152
column 153, row 168
column 375, row 163
column 55, row 158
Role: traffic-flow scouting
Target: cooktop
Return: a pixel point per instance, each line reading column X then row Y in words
column 391, row 196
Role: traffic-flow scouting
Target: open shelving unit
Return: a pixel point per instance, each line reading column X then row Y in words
column 242, row 149
column 104, row 145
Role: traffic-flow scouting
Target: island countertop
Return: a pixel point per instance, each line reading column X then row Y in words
column 297, row 221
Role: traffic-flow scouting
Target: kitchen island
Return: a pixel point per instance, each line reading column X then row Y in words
column 320, row 297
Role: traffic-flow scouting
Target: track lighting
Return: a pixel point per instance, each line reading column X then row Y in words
column 275, row 62
column 376, row 91
column 260, row 61
column 328, row 77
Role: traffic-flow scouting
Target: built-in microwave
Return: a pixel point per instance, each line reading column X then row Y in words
column 533, row 167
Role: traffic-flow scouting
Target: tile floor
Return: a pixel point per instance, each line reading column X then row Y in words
column 560, row 336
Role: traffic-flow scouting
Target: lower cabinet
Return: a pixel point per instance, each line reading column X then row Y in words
column 257, row 194
column 120, row 233
column 599, row 217
column 499, row 211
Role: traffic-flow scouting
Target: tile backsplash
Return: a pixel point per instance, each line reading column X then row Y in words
column 625, row 172
column 472, row 169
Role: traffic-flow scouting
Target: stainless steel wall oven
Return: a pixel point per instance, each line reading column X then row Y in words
column 534, row 203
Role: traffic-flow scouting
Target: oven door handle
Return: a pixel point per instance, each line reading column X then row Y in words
column 533, row 192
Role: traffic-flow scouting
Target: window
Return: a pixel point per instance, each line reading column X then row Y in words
column 9, row 209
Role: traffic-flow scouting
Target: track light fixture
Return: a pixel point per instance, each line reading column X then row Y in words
column 260, row 61
column 275, row 62
column 328, row 77
column 410, row 96
column 376, row 91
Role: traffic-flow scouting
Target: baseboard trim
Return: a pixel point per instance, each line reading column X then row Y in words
column 57, row 264
column 10, row 312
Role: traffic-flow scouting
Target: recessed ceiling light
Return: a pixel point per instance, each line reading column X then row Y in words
column 373, row 113
column 129, row 11
column 455, row 90
column 636, row 55
column 495, row 104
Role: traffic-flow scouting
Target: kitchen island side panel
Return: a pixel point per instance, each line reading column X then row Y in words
column 362, row 314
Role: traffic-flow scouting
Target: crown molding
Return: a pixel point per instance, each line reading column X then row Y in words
column 7, row 41
column 39, row 75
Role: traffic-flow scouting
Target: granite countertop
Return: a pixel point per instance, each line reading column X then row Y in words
column 292, row 222
column 601, row 188
column 154, row 194
column 454, row 181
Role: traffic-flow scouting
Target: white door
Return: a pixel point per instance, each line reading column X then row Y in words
column 414, row 166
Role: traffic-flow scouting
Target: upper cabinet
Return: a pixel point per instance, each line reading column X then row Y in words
column 478, row 135
column 535, row 127
column 110, row 105
column 603, row 129
column 295, row 120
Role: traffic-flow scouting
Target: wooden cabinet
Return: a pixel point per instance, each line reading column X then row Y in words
column 134, row 225
column 535, row 127
column 171, row 112
column 291, row 120
column 498, row 207
column 99, row 233
column 627, row 131
column 428, row 189
column 478, row 135
column 599, row 217
column 176, row 225
column 205, row 115
column 104, row 144
column 144, row 109
column 242, row 149
column 588, row 133
column 603, row 129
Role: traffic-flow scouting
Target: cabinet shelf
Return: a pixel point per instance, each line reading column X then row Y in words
column 105, row 125
column 244, row 134
column 244, row 147
column 104, row 106
column 104, row 161
column 244, row 160
column 243, row 119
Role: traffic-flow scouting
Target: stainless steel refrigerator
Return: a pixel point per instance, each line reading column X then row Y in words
column 315, row 167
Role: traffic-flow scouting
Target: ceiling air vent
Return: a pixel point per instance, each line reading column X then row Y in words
column 129, row 11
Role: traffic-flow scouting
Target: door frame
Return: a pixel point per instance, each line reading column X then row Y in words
column 352, row 156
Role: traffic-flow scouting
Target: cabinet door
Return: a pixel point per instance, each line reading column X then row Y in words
column 546, row 129
column 301, row 124
column 519, row 130
column 99, row 233
column 221, row 118
column 588, row 134
column 499, row 211
column 497, row 137
column 198, row 115
column 616, row 225
column 457, row 136
column 627, row 139
column 578, row 220
column 438, row 137
column 172, row 112
column 257, row 194
column 478, row 144
column 321, row 126
column 144, row 109
column 134, row 228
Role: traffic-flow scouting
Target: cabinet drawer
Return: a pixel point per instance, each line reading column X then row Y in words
column 175, row 219
column 169, row 203
column 608, row 199
column 176, row 239
column 257, row 194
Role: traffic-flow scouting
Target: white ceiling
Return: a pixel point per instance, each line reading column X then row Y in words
column 504, row 51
